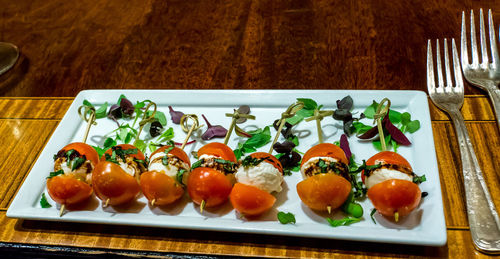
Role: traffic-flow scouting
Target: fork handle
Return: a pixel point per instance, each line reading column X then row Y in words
column 483, row 217
column 494, row 94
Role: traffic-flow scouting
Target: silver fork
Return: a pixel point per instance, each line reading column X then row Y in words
column 483, row 217
column 485, row 75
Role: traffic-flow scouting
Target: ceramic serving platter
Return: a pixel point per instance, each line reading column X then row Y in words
column 424, row 226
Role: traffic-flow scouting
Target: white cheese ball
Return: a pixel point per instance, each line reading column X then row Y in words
column 382, row 174
column 313, row 161
column 263, row 176
column 170, row 170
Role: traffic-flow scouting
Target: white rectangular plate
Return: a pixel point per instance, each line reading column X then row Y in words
column 424, row 226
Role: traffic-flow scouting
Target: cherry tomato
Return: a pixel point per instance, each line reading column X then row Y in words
column 177, row 152
column 325, row 150
column 67, row 190
column 139, row 155
column 270, row 159
column 395, row 195
column 386, row 157
column 160, row 187
column 321, row 191
column 112, row 183
column 219, row 150
column 209, row 185
column 84, row 149
column 250, row 200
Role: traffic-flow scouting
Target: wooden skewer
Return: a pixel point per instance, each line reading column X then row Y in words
column 193, row 127
column 318, row 116
column 61, row 210
column 290, row 112
column 202, row 206
column 146, row 119
column 235, row 115
column 84, row 111
column 153, row 202
column 329, row 209
column 378, row 116
column 107, row 203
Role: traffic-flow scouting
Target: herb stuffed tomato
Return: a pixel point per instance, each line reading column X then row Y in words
column 71, row 181
column 326, row 185
column 390, row 184
column 115, row 178
column 163, row 183
column 212, row 177
column 258, row 176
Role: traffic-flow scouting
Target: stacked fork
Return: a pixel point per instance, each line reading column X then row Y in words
column 483, row 218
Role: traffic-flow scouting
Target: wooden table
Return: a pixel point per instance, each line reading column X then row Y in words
column 67, row 47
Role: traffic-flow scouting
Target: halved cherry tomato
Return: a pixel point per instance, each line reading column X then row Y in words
column 67, row 190
column 209, row 185
column 270, row 159
column 321, row 191
column 84, row 149
column 250, row 200
column 325, row 150
column 219, row 150
column 395, row 195
column 139, row 155
column 177, row 152
column 386, row 157
column 160, row 187
column 112, row 183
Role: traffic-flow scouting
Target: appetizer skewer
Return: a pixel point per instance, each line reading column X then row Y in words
column 390, row 180
column 326, row 184
column 116, row 178
column 259, row 175
column 73, row 166
column 168, row 169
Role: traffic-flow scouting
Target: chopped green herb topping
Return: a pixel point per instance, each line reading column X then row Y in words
column 252, row 161
column 419, row 179
column 180, row 174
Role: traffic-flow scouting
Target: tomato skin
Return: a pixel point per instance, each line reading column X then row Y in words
column 177, row 152
column 325, row 150
column 160, row 187
column 219, row 150
column 395, row 195
column 111, row 182
column 67, row 190
column 139, row 155
column 250, row 200
column 386, row 157
column 84, row 149
column 275, row 162
column 321, row 191
column 209, row 185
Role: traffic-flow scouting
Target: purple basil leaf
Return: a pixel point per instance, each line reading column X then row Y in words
column 369, row 134
column 396, row 134
column 347, row 127
column 285, row 147
column 344, row 144
column 127, row 107
column 216, row 131
column 345, row 104
column 187, row 143
column 244, row 109
column 176, row 115
column 155, row 129
column 240, row 132
column 289, row 159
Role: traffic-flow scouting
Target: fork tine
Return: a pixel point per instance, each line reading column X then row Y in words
column 463, row 46
column 449, row 83
column 493, row 42
column 431, row 84
column 473, row 43
column 482, row 35
column 438, row 65
column 459, row 83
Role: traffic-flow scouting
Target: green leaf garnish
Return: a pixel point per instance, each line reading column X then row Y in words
column 77, row 162
column 286, row 218
column 252, row 161
column 179, row 175
column 342, row 222
column 373, row 213
column 259, row 139
column 309, row 104
column 44, row 203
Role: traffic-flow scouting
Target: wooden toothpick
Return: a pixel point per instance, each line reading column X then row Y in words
column 380, row 113
column 235, row 115
column 290, row 112
column 184, row 126
column 318, row 116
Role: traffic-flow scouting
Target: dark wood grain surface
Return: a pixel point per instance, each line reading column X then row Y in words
column 70, row 46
